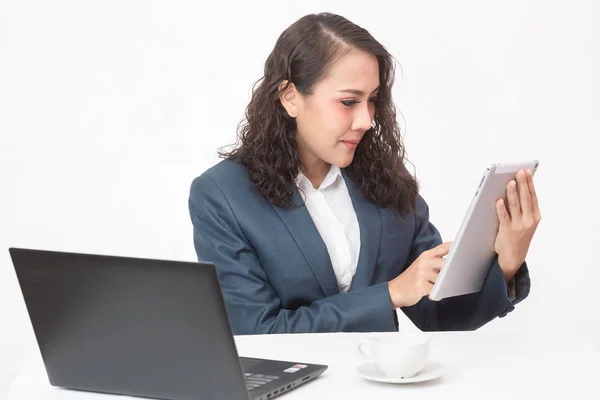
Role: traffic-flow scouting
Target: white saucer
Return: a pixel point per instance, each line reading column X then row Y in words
column 371, row 372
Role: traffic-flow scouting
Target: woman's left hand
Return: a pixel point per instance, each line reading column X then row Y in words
column 518, row 223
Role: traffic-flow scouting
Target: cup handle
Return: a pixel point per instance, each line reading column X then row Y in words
column 365, row 349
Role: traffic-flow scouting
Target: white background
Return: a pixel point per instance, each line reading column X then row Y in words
column 109, row 109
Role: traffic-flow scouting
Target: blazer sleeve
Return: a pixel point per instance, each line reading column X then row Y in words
column 252, row 303
column 467, row 312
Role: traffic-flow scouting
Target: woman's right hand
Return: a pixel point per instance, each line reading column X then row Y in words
column 417, row 280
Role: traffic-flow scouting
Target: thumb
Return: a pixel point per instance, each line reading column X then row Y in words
column 502, row 212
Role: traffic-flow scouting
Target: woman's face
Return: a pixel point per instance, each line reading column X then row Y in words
column 332, row 121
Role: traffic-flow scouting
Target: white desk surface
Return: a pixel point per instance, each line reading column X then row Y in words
column 478, row 365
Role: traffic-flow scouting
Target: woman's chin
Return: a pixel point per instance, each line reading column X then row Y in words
column 343, row 162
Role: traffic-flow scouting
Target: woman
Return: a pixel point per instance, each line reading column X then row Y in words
column 314, row 222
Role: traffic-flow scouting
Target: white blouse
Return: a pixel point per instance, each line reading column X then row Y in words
column 332, row 211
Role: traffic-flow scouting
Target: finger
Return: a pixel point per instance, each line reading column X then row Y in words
column 502, row 212
column 524, row 195
column 532, row 194
column 432, row 276
column 426, row 288
column 429, row 291
column 428, row 274
column 438, row 251
column 433, row 264
column 513, row 200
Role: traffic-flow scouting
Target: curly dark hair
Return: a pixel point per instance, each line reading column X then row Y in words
column 266, row 143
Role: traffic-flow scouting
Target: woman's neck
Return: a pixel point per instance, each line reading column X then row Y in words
column 315, row 171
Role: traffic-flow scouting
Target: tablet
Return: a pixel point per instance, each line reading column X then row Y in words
column 472, row 252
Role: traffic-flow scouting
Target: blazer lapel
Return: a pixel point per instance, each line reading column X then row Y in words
column 369, row 221
column 305, row 233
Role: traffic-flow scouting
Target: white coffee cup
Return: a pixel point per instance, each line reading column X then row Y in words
column 401, row 355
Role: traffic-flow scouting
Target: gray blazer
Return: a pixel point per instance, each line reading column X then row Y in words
column 276, row 274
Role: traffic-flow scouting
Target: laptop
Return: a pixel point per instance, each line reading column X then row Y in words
column 142, row 327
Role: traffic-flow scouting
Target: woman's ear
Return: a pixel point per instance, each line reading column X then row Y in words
column 289, row 98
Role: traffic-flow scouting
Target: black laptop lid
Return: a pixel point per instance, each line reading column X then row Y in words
column 131, row 326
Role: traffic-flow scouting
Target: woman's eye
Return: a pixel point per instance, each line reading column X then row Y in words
column 349, row 103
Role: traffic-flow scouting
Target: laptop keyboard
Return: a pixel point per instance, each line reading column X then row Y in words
column 254, row 381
